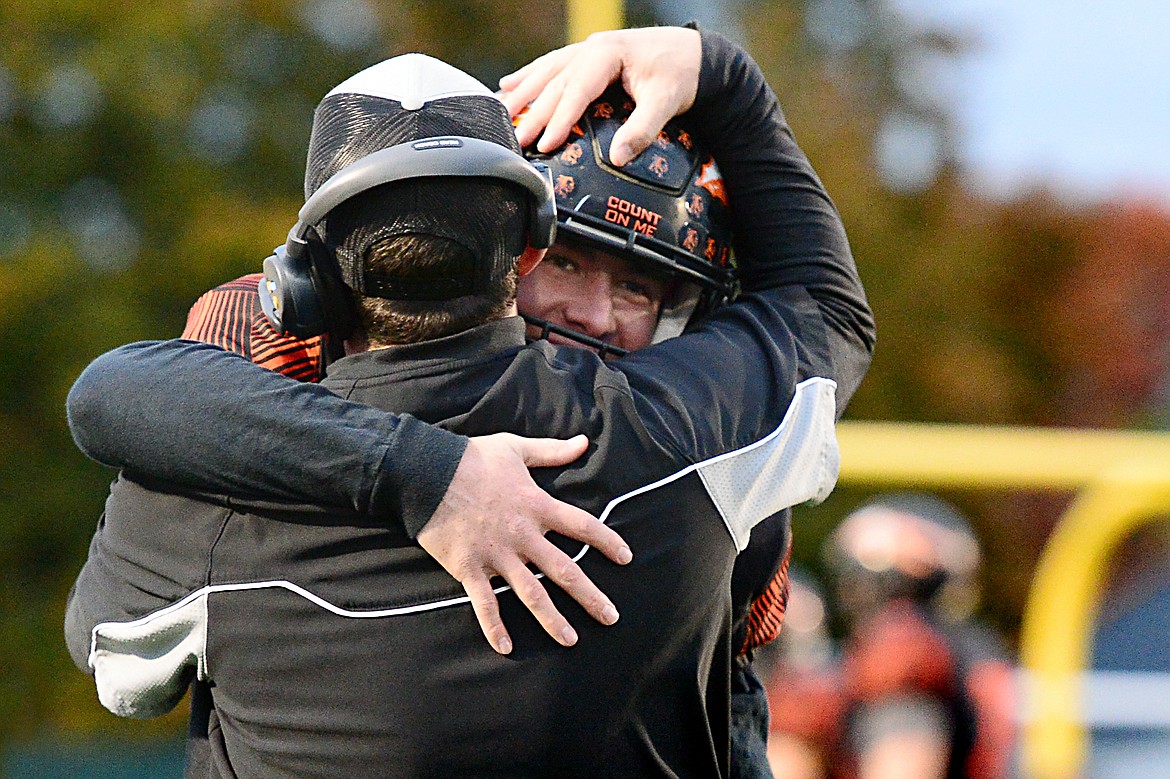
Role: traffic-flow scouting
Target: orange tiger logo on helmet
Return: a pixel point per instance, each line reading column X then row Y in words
column 572, row 154
column 564, row 186
column 659, row 166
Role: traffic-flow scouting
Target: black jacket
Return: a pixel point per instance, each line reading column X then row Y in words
column 336, row 647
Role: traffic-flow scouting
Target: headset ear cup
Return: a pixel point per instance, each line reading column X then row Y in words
column 269, row 291
column 338, row 307
column 288, row 295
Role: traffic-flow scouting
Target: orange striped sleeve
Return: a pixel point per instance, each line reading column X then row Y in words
column 768, row 609
column 298, row 359
column 223, row 316
column 231, row 318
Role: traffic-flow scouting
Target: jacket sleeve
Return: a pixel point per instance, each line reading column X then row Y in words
column 136, row 617
column 802, row 312
column 198, row 416
column 138, row 672
column 750, row 396
column 789, row 237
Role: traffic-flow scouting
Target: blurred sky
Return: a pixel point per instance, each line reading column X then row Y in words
column 1074, row 94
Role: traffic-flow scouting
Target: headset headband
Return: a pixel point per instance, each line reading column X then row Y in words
column 297, row 296
column 447, row 155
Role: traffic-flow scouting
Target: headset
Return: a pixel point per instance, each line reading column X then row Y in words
column 302, row 293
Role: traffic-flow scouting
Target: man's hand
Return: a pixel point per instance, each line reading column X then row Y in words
column 658, row 66
column 492, row 521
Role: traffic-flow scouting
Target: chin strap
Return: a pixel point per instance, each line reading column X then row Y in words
column 604, row 350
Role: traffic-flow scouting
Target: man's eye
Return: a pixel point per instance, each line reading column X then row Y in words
column 636, row 288
column 557, row 261
column 641, row 291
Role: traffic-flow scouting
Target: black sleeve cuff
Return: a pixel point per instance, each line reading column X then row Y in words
column 417, row 466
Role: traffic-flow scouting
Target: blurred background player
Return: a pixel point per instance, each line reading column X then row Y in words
column 927, row 689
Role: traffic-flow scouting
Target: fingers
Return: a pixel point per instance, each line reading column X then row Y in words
column 533, row 595
column 659, row 68
column 651, row 113
column 536, row 87
column 538, row 113
column 522, row 86
column 492, row 521
column 564, row 518
column 570, row 106
column 557, row 88
column 487, row 612
column 582, row 526
column 545, row 452
column 561, row 569
column 535, row 74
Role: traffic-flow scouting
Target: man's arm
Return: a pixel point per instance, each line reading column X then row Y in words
column 802, row 324
column 789, row 237
column 146, row 407
column 787, row 231
column 163, row 409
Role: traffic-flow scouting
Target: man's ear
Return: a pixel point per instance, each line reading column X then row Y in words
column 529, row 260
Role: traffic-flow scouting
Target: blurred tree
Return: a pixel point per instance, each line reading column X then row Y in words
column 1106, row 324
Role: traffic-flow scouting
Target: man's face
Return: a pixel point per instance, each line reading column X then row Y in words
column 593, row 292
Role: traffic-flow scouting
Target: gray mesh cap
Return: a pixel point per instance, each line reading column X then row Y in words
column 400, row 100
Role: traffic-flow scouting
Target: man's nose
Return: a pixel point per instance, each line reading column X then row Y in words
column 590, row 310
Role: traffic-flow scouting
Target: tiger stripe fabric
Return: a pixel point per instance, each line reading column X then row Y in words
column 767, row 613
column 231, row 318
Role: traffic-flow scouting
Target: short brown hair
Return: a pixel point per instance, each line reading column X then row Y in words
column 414, row 256
column 428, row 234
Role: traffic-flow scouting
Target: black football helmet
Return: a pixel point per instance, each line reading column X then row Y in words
column 667, row 208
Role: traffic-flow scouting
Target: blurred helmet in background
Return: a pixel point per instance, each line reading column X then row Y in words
column 908, row 545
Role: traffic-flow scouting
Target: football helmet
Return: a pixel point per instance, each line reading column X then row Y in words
column 667, row 208
column 908, row 545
